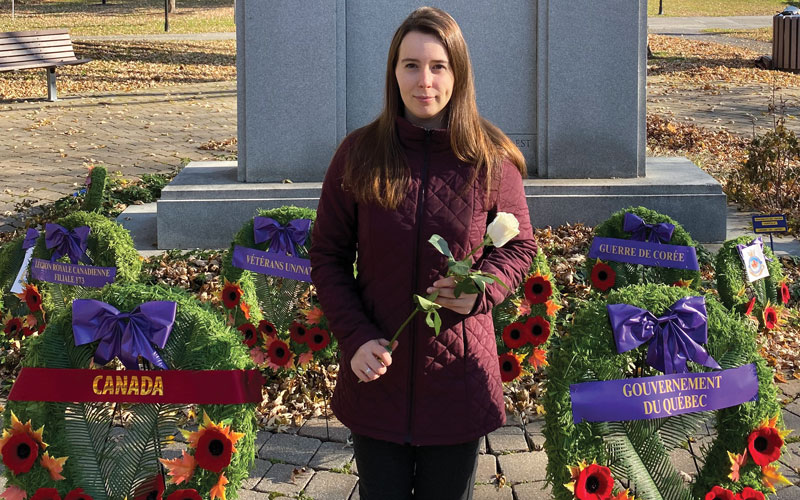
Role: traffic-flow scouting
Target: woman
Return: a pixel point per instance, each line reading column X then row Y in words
column 428, row 165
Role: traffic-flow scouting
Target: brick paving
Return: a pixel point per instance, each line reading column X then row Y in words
column 45, row 147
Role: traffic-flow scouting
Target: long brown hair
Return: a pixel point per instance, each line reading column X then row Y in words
column 375, row 169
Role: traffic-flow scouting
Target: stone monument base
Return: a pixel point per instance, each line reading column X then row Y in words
column 205, row 204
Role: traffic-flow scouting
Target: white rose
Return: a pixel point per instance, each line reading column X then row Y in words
column 504, row 227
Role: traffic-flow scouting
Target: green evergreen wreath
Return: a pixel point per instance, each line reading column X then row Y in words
column 623, row 274
column 84, row 432
column 638, row 451
column 515, row 324
column 280, row 299
column 734, row 290
column 109, row 245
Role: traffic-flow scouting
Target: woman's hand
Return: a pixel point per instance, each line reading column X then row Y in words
column 447, row 297
column 371, row 360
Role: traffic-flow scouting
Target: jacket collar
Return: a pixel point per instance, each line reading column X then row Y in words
column 413, row 137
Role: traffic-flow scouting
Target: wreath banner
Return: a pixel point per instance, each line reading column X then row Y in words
column 206, row 387
column 72, row 274
column 644, row 253
column 272, row 264
column 662, row 395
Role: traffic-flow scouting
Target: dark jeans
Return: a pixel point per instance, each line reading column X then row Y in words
column 390, row 471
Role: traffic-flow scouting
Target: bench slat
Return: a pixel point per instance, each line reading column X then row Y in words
column 45, row 58
column 51, row 64
column 33, row 51
column 34, row 33
column 13, row 42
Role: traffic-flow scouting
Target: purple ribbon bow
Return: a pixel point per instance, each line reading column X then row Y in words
column 641, row 231
column 30, row 238
column 674, row 338
column 282, row 239
column 71, row 243
column 124, row 335
column 756, row 241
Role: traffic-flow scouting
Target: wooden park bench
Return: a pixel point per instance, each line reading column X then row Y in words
column 47, row 49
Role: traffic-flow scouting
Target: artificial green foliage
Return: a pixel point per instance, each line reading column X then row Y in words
column 635, row 450
column 734, row 289
column 11, row 257
column 633, row 274
column 109, row 245
column 116, row 468
column 94, row 194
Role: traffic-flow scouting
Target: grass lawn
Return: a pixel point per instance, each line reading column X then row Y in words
column 117, row 17
column 719, row 7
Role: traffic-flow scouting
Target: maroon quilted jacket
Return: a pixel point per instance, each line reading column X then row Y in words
column 438, row 390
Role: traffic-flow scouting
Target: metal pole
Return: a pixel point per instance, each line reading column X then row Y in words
column 166, row 15
column 771, row 247
column 12, row 9
column 660, row 7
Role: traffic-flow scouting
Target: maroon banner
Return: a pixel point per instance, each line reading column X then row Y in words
column 206, row 387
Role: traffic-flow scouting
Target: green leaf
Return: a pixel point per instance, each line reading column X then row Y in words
column 464, row 286
column 481, row 281
column 441, row 245
column 495, row 279
column 460, row 267
column 433, row 320
column 426, row 304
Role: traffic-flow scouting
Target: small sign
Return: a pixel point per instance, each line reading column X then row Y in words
column 72, row 274
column 644, row 253
column 272, row 264
column 754, row 262
column 775, row 223
column 21, row 279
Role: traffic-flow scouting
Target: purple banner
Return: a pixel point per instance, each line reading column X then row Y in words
column 273, row 264
column 72, row 274
column 663, row 395
column 644, row 253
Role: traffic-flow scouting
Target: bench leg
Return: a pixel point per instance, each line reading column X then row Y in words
column 51, row 85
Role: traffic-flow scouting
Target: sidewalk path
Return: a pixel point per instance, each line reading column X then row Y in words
column 161, row 37
column 46, row 147
column 696, row 25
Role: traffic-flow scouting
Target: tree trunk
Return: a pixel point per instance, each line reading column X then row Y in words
column 171, row 6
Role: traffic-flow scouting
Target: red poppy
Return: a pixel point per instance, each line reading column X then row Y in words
column 77, row 494
column 785, row 295
column 770, row 318
column 318, row 339
column 749, row 493
column 515, row 335
column 603, row 276
column 539, row 329
column 249, row 334
column 267, row 328
column 718, row 493
column 19, row 452
column 509, row 367
column 214, row 450
column 279, row 353
column 538, row 289
column 298, row 332
column 188, row 494
column 231, row 295
column 594, row 483
column 152, row 490
column 32, row 298
column 750, row 306
column 46, row 494
column 764, row 445
column 13, row 327
column 27, row 332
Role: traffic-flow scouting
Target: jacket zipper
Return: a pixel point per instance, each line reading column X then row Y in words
column 420, row 206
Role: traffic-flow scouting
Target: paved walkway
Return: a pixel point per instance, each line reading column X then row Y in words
column 316, row 462
column 695, row 25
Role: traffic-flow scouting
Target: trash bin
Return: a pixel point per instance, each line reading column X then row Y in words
column 786, row 39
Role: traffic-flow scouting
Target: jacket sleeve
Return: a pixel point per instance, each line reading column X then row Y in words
column 333, row 251
column 512, row 261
